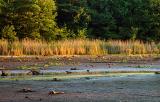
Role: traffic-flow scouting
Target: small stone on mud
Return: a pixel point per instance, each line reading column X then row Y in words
column 87, row 70
column 26, row 97
column 56, row 79
column 68, row 72
column 74, row 69
column 120, row 88
column 52, row 92
column 26, row 90
column 37, row 58
column 40, row 99
column 157, row 72
column 34, row 72
column 4, row 73
column 109, row 65
column 93, row 82
column 92, row 66
column 88, row 78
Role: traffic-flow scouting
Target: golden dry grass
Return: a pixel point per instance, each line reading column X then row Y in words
column 77, row 47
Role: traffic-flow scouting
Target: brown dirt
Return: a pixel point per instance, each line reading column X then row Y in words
column 14, row 62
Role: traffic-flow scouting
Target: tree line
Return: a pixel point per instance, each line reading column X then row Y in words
column 63, row 19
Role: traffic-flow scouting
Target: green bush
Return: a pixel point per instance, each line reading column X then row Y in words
column 9, row 33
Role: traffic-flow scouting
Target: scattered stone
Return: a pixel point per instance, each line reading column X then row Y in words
column 68, row 72
column 86, row 65
column 34, row 72
column 94, row 83
column 37, row 58
column 4, row 73
column 92, row 66
column 52, row 92
column 74, row 68
column 88, row 78
column 26, row 97
column 40, row 99
column 56, row 79
column 157, row 72
column 109, row 65
column 120, row 88
column 26, row 90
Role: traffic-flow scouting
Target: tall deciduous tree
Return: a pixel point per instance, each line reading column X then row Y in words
column 31, row 18
column 35, row 18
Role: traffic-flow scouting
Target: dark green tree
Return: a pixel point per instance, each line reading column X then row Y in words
column 73, row 14
column 154, row 21
column 102, row 23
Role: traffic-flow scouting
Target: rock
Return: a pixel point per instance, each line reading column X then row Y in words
column 91, row 65
column 109, row 65
column 56, row 79
column 4, row 73
column 26, row 97
column 26, row 90
column 88, row 78
column 34, row 72
column 74, row 69
column 37, row 58
column 40, row 99
column 68, row 72
column 52, row 92
column 157, row 72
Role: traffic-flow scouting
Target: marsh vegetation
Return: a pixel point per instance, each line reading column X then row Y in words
column 78, row 47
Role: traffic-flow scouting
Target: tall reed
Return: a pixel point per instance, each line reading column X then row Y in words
column 77, row 47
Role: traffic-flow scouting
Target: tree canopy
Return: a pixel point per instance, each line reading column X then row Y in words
column 103, row 19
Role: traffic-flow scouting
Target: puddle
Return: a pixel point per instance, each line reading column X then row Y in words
column 59, row 78
column 88, row 74
column 90, row 70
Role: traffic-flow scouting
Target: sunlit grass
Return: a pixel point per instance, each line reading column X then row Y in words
column 77, row 47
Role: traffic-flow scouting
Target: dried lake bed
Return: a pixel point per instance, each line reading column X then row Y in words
column 98, row 81
column 113, row 88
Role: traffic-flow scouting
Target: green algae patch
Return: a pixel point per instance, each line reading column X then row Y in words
column 69, row 77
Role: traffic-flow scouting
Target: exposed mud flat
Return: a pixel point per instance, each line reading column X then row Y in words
column 121, row 88
column 82, row 79
column 43, row 62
